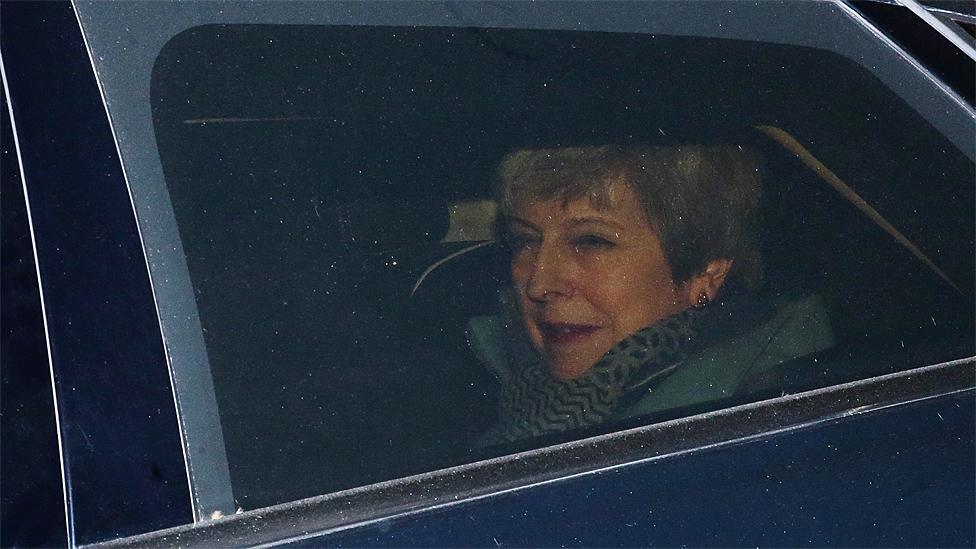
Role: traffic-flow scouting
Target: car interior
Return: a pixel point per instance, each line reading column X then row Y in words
column 313, row 172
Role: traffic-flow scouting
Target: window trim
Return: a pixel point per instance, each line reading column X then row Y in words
column 949, row 29
column 207, row 471
column 61, row 144
column 323, row 515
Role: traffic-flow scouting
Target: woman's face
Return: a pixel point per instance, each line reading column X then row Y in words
column 588, row 278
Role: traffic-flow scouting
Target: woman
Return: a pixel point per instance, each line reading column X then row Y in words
column 617, row 253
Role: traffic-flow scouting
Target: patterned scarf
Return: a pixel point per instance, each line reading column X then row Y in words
column 533, row 403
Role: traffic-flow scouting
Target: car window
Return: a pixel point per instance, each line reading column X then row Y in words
column 391, row 271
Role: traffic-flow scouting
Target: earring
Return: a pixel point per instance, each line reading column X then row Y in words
column 702, row 301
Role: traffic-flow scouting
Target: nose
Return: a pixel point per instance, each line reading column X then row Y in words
column 548, row 275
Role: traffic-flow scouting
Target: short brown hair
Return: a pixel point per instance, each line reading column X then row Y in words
column 701, row 200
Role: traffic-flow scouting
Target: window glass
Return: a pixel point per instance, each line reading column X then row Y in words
column 677, row 224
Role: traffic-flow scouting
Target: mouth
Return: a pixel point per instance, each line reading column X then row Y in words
column 562, row 332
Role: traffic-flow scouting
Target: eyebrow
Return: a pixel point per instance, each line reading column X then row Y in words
column 512, row 220
column 579, row 221
column 572, row 223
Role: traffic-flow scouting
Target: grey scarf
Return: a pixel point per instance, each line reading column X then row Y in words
column 533, row 403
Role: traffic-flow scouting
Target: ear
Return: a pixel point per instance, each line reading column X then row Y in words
column 707, row 283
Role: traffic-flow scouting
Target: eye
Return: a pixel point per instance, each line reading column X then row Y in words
column 592, row 242
column 517, row 241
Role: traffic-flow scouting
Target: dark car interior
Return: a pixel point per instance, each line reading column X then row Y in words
column 311, row 171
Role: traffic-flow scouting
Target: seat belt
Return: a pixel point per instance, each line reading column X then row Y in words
column 789, row 143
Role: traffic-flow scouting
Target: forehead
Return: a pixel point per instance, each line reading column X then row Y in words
column 617, row 204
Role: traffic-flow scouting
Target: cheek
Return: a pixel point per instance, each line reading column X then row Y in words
column 520, row 272
column 636, row 296
column 525, row 313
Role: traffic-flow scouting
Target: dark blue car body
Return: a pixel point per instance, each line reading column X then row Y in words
column 92, row 447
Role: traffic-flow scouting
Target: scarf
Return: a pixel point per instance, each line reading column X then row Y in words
column 533, row 403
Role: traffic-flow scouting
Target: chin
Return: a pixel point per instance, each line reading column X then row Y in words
column 571, row 369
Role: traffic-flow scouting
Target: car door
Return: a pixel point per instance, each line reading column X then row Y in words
column 259, row 321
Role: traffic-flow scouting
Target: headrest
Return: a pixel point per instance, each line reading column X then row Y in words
column 372, row 226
